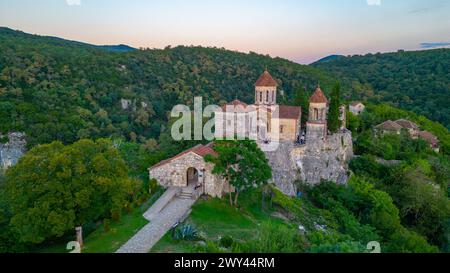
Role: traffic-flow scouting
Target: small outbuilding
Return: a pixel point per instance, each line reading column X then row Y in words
column 389, row 127
column 356, row 108
column 189, row 169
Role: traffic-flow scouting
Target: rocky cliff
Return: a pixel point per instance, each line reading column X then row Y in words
column 312, row 163
column 11, row 149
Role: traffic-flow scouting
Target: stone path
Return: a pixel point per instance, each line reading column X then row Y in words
column 160, row 223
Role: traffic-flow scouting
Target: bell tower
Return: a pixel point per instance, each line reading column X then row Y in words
column 266, row 90
column 316, row 127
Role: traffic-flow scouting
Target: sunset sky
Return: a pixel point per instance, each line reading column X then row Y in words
column 299, row 30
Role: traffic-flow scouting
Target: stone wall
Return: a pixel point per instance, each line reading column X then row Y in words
column 316, row 131
column 311, row 163
column 290, row 130
column 174, row 174
column 12, row 150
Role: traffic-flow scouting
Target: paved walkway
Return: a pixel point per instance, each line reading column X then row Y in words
column 160, row 223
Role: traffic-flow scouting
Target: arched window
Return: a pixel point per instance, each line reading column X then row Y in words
column 316, row 114
column 267, row 96
column 260, row 96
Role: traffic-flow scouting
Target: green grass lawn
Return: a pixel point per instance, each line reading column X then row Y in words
column 100, row 241
column 216, row 218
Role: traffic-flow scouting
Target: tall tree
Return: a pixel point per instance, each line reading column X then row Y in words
column 55, row 188
column 242, row 164
column 301, row 99
column 333, row 115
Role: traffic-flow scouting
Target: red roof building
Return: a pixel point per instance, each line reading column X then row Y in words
column 430, row 138
column 289, row 112
column 235, row 105
column 200, row 150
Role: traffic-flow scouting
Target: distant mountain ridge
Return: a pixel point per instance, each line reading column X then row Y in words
column 112, row 48
column 117, row 48
column 55, row 89
column 328, row 58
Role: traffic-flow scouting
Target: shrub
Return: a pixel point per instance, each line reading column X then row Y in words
column 210, row 247
column 4, row 139
column 333, row 242
column 274, row 239
column 226, row 241
column 153, row 186
column 186, row 233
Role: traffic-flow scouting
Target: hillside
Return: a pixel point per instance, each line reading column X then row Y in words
column 418, row 81
column 54, row 89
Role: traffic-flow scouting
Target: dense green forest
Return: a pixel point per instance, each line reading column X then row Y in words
column 55, row 89
column 417, row 80
column 67, row 96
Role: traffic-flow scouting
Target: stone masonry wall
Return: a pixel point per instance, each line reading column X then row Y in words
column 174, row 174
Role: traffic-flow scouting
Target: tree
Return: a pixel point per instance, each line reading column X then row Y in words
column 301, row 99
column 353, row 122
column 242, row 164
column 55, row 188
column 334, row 113
column 405, row 241
column 422, row 204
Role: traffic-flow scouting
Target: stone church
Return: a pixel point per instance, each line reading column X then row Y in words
column 264, row 120
column 310, row 157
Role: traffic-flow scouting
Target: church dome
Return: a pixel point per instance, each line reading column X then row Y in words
column 318, row 96
column 266, row 80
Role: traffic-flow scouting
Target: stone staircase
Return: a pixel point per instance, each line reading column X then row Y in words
column 173, row 207
column 186, row 193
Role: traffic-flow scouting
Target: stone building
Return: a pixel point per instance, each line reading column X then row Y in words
column 311, row 158
column 395, row 127
column 321, row 157
column 412, row 128
column 389, row 127
column 189, row 169
column 317, row 125
column 264, row 120
column 356, row 108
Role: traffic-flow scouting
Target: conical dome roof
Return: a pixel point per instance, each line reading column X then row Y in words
column 266, row 80
column 318, row 96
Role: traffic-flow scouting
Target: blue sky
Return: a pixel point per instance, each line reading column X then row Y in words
column 300, row 30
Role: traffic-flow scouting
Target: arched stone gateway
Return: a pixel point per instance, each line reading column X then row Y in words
column 192, row 177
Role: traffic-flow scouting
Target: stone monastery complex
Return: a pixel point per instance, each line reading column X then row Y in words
column 309, row 156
